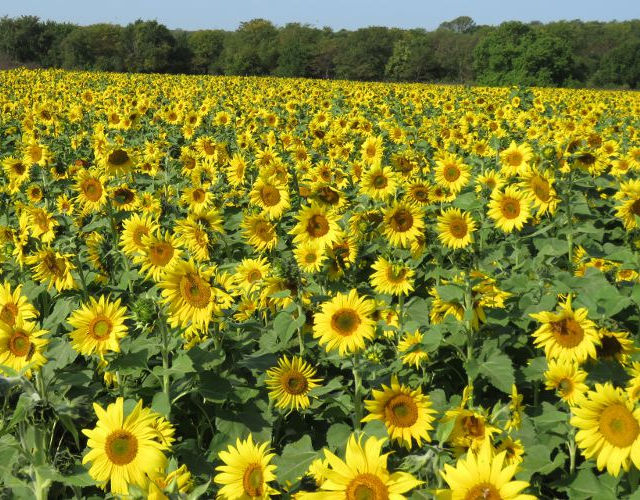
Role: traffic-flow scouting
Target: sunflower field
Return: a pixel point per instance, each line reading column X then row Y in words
column 255, row 287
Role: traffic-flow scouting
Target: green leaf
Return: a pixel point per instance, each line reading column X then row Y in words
column 295, row 459
column 450, row 293
column 499, row 370
column 161, row 404
column 337, row 435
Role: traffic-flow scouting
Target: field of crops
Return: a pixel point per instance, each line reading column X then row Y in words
column 254, row 287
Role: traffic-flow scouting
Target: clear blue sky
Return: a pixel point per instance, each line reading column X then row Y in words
column 350, row 14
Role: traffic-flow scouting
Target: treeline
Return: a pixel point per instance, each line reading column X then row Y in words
column 565, row 53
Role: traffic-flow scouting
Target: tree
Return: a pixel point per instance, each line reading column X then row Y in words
column 365, row 53
column 295, row 49
column 150, row 47
column 98, row 47
column 206, row 47
column 461, row 24
column 413, row 59
column 251, row 49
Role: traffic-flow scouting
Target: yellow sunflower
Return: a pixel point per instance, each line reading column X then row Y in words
column 566, row 335
column 406, row 412
column 133, row 229
column 515, row 159
column 379, row 183
column 451, row 173
column 372, row 150
column 98, row 326
column 317, row 225
column 402, row 224
column 250, row 273
column 259, row 232
column 161, row 254
column 123, row 450
column 514, row 450
column 289, row 383
column 91, row 191
column 22, row 346
column 345, row 322
column 14, row 306
column 362, row 475
column 455, row 228
column 309, row 257
column 567, row 379
column 615, row 346
column 539, row 187
column 187, row 291
column 390, row 278
column 272, row 197
column 52, row 268
column 411, row 353
column 483, row 475
column 470, row 429
column 609, row 428
column 246, row 471
column 509, row 209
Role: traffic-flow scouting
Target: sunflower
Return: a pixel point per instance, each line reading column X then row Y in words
column 236, row 169
column 615, row 346
column 379, row 183
column 123, row 198
column 372, row 150
column 118, row 161
column 272, row 197
column 309, row 257
column 514, row 450
column 246, row 471
column 451, row 173
column 91, row 191
column 35, row 153
column 490, row 180
column 123, row 450
column 251, row 272
column 198, row 198
column 259, row 232
column 65, row 205
column 567, row 379
column 609, row 428
column 390, row 278
column 22, row 346
column 566, row 335
column 34, row 193
column 178, row 481
column 317, row 225
column 419, row 192
column 345, row 322
column 539, row 187
column 289, row 383
column 194, row 237
column 362, row 475
column 98, row 326
column 470, row 429
column 482, row 474
column 161, row 254
column 515, row 159
column 41, row 224
column 455, row 228
column 403, row 223
column 187, row 291
column 14, row 306
column 628, row 211
column 17, row 171
column 411, row 353
column 509, row 209
column 406, row 412
column 52, row 268
column 133, row 229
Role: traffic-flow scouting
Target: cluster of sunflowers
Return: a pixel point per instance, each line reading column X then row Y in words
column 256, row 277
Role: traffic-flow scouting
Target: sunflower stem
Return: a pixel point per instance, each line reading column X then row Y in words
column 401, row 311
column 166, row 378
column 357, row 386
column 300, row 338
column 569, row 220
column 572, row 454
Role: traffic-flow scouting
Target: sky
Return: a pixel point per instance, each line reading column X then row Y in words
column 337, row 14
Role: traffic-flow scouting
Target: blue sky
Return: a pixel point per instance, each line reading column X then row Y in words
column 350, row 14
